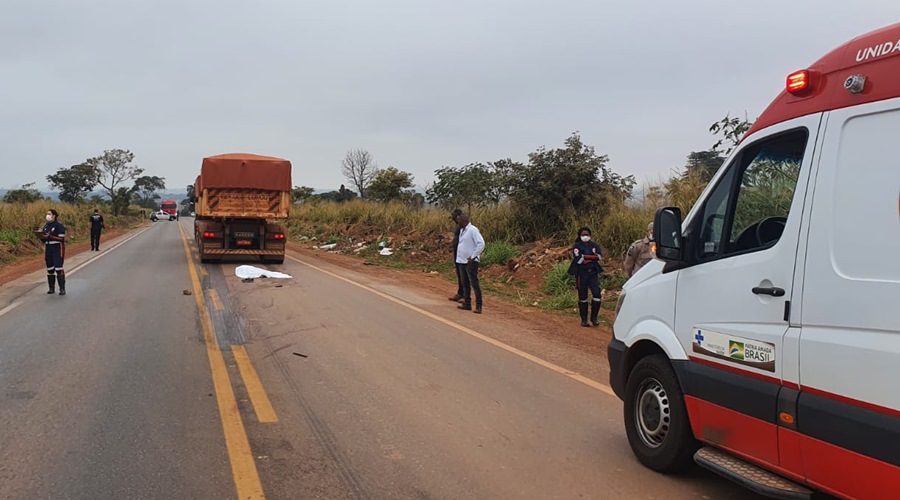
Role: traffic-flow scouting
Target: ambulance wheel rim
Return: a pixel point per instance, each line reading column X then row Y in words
column 652, row 413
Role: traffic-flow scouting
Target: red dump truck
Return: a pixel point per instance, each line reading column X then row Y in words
column 170, row 207
column 237, row 197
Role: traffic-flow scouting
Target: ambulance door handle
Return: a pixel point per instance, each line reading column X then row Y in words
column 774, row 291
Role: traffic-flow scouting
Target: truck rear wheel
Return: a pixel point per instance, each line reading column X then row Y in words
column 656, row 420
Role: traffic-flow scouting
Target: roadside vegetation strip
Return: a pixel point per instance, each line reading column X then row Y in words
column 19, row 220
column 243, row 466
column 593, row 384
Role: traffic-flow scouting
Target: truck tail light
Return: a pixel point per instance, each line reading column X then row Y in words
column 278, row 236
column 209, row 234
column 798, row 82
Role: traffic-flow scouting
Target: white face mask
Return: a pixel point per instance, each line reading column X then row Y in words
column 585, row 238
column 49, row 218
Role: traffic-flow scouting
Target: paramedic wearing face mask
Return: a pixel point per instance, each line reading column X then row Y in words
column 54, row 237
column 586, row 264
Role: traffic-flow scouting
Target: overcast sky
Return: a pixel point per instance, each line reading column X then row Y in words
column 419, row 83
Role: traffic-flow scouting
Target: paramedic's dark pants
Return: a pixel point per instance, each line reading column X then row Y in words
column 470, row 282
column 95, row 239
column 587, row 282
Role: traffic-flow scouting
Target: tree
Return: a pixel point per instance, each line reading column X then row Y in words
column 121, row 200
column 703, row 164
column 340, row 196
column 25, row 194
column 191, row 193
column 475, row 184
column 391, row 184
column 559, row 185
column 74, row 183
column 359, row 168
column 97, row 201
column 301, row 193
column 113, row 169
column 732, row 131
column 145, row 189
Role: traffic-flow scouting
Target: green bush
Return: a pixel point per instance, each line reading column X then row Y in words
column 498, row 253
column 561, row 302
column 558, row 281
column 10, row 237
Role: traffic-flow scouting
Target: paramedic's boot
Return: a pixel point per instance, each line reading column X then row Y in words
column 51, row 280
column 583, row 310
column 62, row 283
column 595, row 308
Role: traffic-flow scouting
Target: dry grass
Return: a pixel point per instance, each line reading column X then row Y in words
column 18, row 221
column 615, row 226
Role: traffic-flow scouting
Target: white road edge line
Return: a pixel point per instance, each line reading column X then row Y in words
column 77, row 268
column 10, row 307
column 593, row 384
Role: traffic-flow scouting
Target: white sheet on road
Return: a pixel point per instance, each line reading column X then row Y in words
column 245, row 272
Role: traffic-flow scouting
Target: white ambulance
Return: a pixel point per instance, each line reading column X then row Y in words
column 763, row 343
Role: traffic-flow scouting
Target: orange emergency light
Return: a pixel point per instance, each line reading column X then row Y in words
column 799, row 81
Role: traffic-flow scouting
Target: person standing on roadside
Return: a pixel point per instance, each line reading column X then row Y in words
column 639, row 253
column 459, row 267
column 97, row 226
column 54, row 236
column 471, row 244
column 586, row 261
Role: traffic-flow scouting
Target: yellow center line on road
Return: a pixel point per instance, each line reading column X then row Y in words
column 593, row 384
column 261, row 405
column 214, row 297
column 243, row 467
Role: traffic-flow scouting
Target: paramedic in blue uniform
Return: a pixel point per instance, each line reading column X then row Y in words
column 586, row 264
column 97, row 226
column 54, row 236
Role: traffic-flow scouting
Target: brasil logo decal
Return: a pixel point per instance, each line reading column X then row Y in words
column 736, row 349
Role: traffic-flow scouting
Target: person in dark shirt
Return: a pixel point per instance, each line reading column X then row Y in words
column 97, row 226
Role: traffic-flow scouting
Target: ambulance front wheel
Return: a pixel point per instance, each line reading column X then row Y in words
column 656, row 419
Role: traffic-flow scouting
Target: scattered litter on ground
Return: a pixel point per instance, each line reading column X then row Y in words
column 301, row 355
column 255, row 272
column 386, row 251
column 327, row 247
column 187, row 292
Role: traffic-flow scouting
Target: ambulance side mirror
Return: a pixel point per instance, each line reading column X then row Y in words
column 667, row 234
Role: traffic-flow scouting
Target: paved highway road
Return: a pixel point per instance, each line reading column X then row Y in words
column 327, row 385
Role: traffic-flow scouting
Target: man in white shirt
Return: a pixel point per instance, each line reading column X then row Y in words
column 468, row 253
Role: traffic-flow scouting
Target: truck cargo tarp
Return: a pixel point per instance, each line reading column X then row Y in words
column 242, row 170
